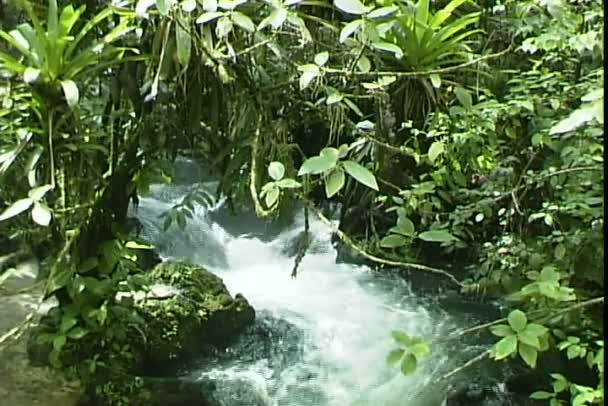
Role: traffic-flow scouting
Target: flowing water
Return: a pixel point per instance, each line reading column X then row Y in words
column 329, row 328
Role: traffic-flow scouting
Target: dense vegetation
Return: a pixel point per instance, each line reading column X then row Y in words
column 473, row 129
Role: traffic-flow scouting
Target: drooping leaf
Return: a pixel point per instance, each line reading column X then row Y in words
column 464, row 97
column 505, row 347
column 288, row 184
column 405, row 226
column 16, row 208
column 39, row 192
column 388, row 47
column 437, row 236
column 309, row 73
column 272, row 196
column 408, row 364
column 183, row 41
column 209, row 16
column 276, row 18
column 517, row 320
column 528, row 354
column 435, row 81
column 361, row 174
column 349, row 29
column 334, row 182
column 30, row 75
column 70, row 91
column 41, row 214
column 382, row 12
column 321, row 58
column 334, row 98
column 276, row 170
column 350, row 6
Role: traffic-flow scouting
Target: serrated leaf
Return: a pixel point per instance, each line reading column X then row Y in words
column 501, row 330
column 41, row 214
column 321, row 58
column 350, row 6
column 528, row 354
column 435, row 150
column 276, row 170
column 361, row 174
column 317, row 165
column 437, row 236
column 242, row 21
column 408, row 364
column 349, row 29
column 334, row 182
column 393, row 241
column 394, row 356
column 16, row 208
column 70, row 91
column 517, row 320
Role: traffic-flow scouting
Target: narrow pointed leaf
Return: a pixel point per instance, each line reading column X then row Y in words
column 361, row 174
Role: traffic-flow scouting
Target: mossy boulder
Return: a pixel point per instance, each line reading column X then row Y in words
column 189, row 312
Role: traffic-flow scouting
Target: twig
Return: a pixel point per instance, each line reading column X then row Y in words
column 465, row 365
column 347, row 240
column 416, row 74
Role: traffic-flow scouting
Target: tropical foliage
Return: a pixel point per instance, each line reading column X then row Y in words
column 472, row 127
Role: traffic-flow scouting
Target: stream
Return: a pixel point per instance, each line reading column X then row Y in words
column 327, row 331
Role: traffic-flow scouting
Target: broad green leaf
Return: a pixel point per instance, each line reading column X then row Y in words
column 536, row 329
column 70, row 91
column 321, row 58
column 435, row 150
column 501, row 330
column 272, row 196
column 528, row 354
column 223, row 27
column 464, row 97
column 88, row 265
column 138, row 246
column 548, row 274
column 308, row 76
column 393, row 241
column 58, row 281
column 276, row 170
column 408, row 364
column 349, row 29
column 39, row 192
column 67, row 322
column 528, row 338
column 437, row 236
column 505, row 347
column 350, row 6
column 405, row 226
column 59, row 342
column 573, row 351
column 420, row 349
column 317, row 165
column 242, row 21
column 363, row 64
column 541, row 395
column 16, row 208
column 394, row 356
column 41, row 214
column 330, row 153
column 517, row 320
column 353, row 107
column 361, row 174
column 288, row 184
column 334, row 182
column 183, row 41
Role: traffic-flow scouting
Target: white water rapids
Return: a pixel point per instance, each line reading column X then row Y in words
column 344, row 312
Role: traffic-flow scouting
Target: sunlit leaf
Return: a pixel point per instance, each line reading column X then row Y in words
column 393, row 241
column 350, row 6
column 321, row 58
column 437, row 236
column 242, row 21
column 361, row 174
column 349, row 29
column 517, row 320
column 334, row 182
column 394, row 356
column 501, row 330
column 317, row 165
column 505, row 347
column 435, row 150
column 16, row 208
column 70, row 91
column 276, row 170
column 408, row 364
column 528, row 354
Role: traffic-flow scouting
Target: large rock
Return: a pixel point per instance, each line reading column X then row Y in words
column 191, row 313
